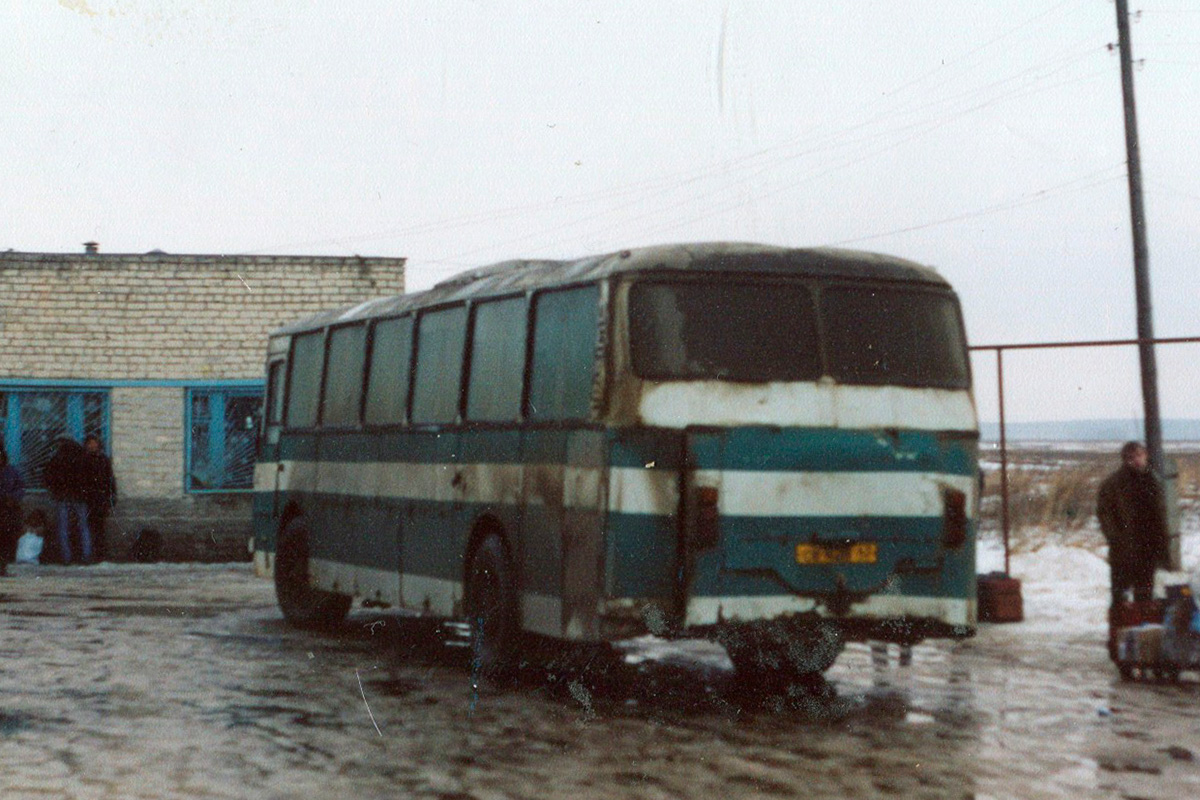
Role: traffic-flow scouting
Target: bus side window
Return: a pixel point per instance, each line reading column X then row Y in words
column 497, row 361
column 275, row 393
column 304, row 380
column 344, row 376
column 387, row 380
column 272, row 417
column 564, row 353
column 437, row 382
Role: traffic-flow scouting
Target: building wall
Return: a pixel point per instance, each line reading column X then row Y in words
column 144, row 327
column 147, row 441
column 161, row 316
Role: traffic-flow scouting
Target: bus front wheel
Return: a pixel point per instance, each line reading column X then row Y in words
column 491, row 609
column 302, row 605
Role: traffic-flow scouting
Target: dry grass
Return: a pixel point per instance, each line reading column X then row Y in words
column 1054, row 492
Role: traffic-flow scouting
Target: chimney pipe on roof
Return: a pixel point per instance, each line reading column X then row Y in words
column 91, row 248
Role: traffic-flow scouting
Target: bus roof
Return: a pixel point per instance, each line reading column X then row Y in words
column 509, row 277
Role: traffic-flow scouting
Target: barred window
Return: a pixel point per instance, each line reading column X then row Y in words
column 223, row 423
column 32, row 420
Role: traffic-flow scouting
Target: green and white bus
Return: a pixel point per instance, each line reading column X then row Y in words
column 768, row 447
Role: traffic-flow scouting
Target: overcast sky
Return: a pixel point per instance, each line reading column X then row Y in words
column 982, row 138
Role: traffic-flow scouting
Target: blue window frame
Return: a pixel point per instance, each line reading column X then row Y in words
column 33, row 417
column 222, row 423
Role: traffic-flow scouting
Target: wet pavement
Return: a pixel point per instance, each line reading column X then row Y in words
column 169, row 681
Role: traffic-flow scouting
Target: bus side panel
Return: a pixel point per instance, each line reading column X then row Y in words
column 584, row 501
column 265, row 507
column 540, row 559
column 434, row 524
column 489, row 480
column 355, row 523
column 562, row 537
column 265, row 510
column 641, row 560
column 281, row 485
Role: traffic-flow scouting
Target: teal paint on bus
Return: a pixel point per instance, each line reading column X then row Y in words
column 298, row 447
column 492, row 446
column 541, row 551
column 951, row 581
column 649, row 448
column 801, row 449
column 642, row 556
column 739, row 449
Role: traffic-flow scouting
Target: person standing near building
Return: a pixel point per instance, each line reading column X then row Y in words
column 1134, row 521
column 12, row 491
column 65, row 477
column 100, row 492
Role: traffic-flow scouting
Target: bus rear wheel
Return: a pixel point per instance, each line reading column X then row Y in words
column 492, row 609
column 301, row 604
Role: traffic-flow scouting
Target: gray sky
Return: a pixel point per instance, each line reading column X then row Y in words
column 983, row 138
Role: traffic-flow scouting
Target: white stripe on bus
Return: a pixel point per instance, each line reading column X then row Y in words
column 710, row 610
column 678, row 404
column 834, row 494
column 438, row 596
column 366, row 582
column 633, row 490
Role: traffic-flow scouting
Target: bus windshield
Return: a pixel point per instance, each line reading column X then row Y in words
column 905, row 338
column 763, row 331
column 727, row 331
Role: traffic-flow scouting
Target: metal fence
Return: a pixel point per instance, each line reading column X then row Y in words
column 1000, row 350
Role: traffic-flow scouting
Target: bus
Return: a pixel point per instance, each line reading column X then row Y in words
column 776, row 449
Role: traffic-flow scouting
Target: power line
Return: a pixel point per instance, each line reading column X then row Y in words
column 926, row 127
column 1037, row 197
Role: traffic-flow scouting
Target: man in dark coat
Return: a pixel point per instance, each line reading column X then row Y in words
column 100, row 492
column 65, row 476
column 1134, row 521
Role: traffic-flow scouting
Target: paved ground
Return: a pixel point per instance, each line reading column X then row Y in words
column 183, row 682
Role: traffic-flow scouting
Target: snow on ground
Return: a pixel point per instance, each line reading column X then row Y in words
column 1065, row 588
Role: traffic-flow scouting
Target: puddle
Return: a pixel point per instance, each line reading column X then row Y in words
column 1112, row 765
column 11, row 723
column 240, row 715
column 182, row 612
column 240, row 638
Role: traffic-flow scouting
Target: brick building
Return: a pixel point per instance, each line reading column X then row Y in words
column 162, row 356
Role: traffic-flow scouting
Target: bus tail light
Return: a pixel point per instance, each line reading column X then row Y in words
column 954, row 518
column 704, row 534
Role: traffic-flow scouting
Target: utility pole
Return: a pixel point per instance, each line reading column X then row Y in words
column 1141, row 253
column 1141, row 278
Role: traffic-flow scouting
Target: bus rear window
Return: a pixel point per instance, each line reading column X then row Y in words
column 906, row 338
column 749, row 332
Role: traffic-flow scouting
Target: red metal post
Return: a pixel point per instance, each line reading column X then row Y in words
column 1003, row 455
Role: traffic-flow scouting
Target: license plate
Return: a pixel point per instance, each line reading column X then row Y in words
column 859, row 553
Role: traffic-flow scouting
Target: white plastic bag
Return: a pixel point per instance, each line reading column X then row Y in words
column 1164, row 578
column 29, row 548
